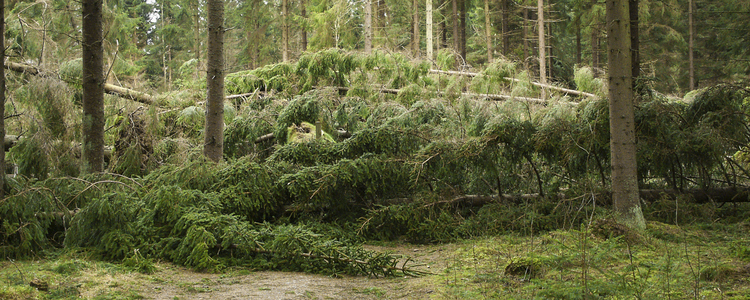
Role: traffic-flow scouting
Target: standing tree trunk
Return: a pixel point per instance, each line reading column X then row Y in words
column 415, row 28
column 595, row 44
column 690, row 46
column 454, row 21
column 303, row 13
column 578, row 38
column 524, row 35
column 2, row 99
column 213, row 146
column 444, row 28
column 284, row 30
column 93, row 87
column 428, row 28
column 462, row 28
column 506, row 33
column 542, row 48
column 368, row 26
column 197, row 32
column 621, row 120
column 488, row 30
column 635, row 42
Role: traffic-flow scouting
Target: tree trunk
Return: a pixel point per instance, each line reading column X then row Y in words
column 454, row 21
column 542, row 47
column 462, row 28
column 2, row 99
column 506, row 32
column 284, row 30
column 595, row 44
column 415, row 28
column 635, row 42
column 303, row 13
column 368, row 26
column 214, row 132
column 197, row 33
column 488, row 30
column 444, row 29
column 93, row 87
column 524, row 35
column 578, row 39
column 428, row 28
column 690, row 46
column 626, row 201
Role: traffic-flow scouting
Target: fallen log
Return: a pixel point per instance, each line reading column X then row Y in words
column 546, row 86
column 488, row 96
column 267, row 137
column 111, row 89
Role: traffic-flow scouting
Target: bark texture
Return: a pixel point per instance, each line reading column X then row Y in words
column 285, row 30
column 635, row 43
column 542, row 47
column 213, row 146
column 415, row 28
column 626, row 201
column 488, row 30
column 368, row 26
column 428, row 28
column 93, row 87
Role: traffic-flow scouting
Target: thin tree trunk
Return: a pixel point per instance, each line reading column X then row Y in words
column 2, row 100
column 625, row 195
column 524, row 36
column 214, row 133
column 93, row 87
column 542, row 47
column 488, row 30
column 690, row 45
column 303, row 13
column 454, row 20
column 635, row 43
column 197, row 33
column 428, row 28
column 444, row 28
column 284, row 30
column 506, row 32
column 368, row 26
column 415, row 28
column 462, row 28
column 595, row 44
column 578, row 40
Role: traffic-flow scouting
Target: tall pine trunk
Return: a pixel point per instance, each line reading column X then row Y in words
column 415, row 28
column 368, row 26
column 691, row 61
column 303, row 14
column 213, row 146
column 621, row 121
column 488, row 30
column 285, row 30
column 2, row 99
column 428, row 28
column 542, row 48
column 93, row 87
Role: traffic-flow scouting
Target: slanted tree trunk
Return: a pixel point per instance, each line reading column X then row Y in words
column 488, row 30
column 415, row 28
column 542, row 47
column 93, row 87
column 284, row 30
column 428, row 28
column 368, row 26
column 626, row 201
column 213, row 147
column 2, row 99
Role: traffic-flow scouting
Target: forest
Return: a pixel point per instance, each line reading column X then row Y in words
column 312, row 135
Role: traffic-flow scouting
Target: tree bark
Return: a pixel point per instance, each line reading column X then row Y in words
column 284, row 30
column 2, row 99
column 454, row 21
column 506, row 32
column 524, row 35
column 415, row 28
column 635, row 42
column 462, row 28
column 488, row 30
column 368, row 26
column 595, row 43
column 93, row 87
column 625, row 195
column 303, row 13
column 428, row 28
column 542, row 48
column 213, row 147
column 690, row 46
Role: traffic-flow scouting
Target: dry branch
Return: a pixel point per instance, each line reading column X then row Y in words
column 546, row 86
column 108, row 88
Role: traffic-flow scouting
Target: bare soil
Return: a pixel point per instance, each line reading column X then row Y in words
column 172, row 282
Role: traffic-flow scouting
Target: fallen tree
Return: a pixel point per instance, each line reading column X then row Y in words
column 112, row 89
column 488, row 96
column 546, row 86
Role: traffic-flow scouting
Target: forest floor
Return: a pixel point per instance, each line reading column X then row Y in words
column 701, row 261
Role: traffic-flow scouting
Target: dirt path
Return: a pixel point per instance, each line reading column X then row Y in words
column 172, row 282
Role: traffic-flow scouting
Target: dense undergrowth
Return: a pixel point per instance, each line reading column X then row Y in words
column 428, row 163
